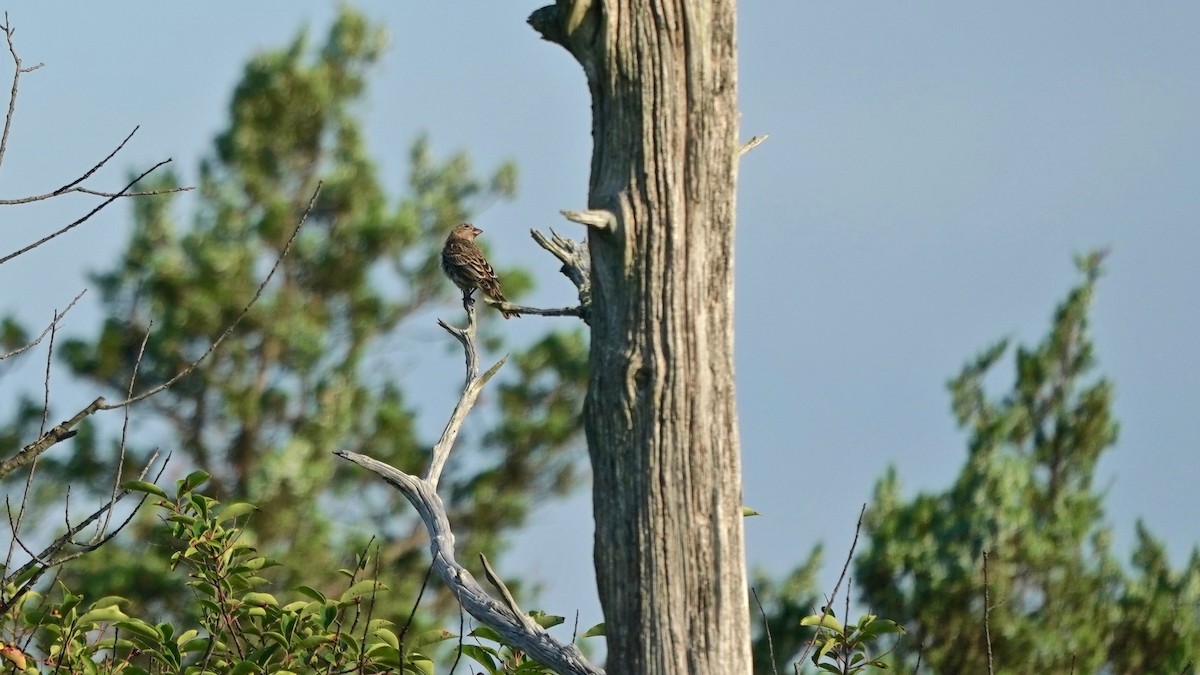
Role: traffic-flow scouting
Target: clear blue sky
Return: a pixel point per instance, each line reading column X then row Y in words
column 931, row 170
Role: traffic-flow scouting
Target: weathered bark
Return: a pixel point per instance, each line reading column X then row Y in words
column 660, row 414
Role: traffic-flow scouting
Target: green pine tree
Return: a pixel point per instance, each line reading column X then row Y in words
column 1059, row 601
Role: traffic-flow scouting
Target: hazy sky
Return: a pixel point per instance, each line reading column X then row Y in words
column 930, row 173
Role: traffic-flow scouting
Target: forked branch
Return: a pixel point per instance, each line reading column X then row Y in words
column 502, row 616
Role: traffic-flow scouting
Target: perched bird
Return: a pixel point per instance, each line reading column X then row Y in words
column 463, row 262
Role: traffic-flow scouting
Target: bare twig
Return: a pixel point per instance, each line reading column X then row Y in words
column 413, row 613
column 74, row 186
column 137, row 364
column 96, row 167
column 767, row 629
column 58, row 316
column 85, row 218
column 838, row 585
column 18, row 70
column 48, row 557
column 462, row 627
column 228, row 330
column 502, row 616
column 987, row 611
column 752, row 144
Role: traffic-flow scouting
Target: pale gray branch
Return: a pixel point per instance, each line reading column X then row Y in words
column 576, row 266
column 540, row 311
column 598, row 219
column 752, row 144
column 504, row 617
column 562, row 658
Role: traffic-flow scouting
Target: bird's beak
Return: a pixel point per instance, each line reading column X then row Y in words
column 476, row 231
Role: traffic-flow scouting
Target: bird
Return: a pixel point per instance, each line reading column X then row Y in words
column 464, row 264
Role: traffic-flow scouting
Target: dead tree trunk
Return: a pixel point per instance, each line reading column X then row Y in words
column 660, row 414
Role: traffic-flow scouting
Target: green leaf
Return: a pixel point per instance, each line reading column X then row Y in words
column 103, row 615
column 312, row 593
column 483, row 656
column 428, row 637
column 748, row 512
column 829, row 622
column 594, row 631
column 245, row 668
column 360, row 589
column 139, row 628
column 388, row 637
column 194, row 480
column 236, row 510
column 145, row 486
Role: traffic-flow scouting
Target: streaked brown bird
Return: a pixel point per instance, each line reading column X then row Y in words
column 463, row 262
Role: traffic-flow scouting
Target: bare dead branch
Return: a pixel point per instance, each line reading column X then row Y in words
column 576, row 266
column 471, row 390
column 597, row 219
column 574, row 256
column 522, row 309
column 502, row 588
column 752, row 144
column 228, row 330
column 74, row 186
column 85, row 218
column 18, row 71
column 96, row 167
column 502, row 616
column 137, row 364
column 47, row 440
column 474, row 599
column 58, row 316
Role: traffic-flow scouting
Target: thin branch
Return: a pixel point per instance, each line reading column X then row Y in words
column 229, row 330
column 87, row 174
column 462, row 627
column 838, row 585
column 522, row 309
column 752, row 144
column 97, row 193
column 137, row 365
column 58, row 316
column 9, row 31
column 46, row 559
column 85, row 218
column 74, row 186
column 47, row 440
column 987, row 610
column 416, row 603
column 767, row 628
